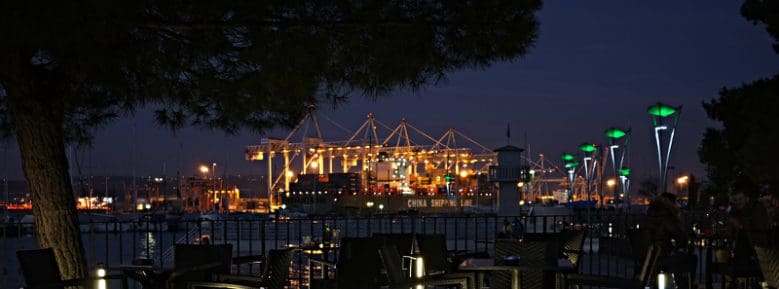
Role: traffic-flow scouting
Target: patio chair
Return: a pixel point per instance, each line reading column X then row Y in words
column 397, row 278
column 572, row 244
column 641, row 280
column 274, row 274
column 769, row 264
column 402, row 241
column 193, row 263
column 40, row 271
column 442, row 263
column 739, row 266
column 358, row 266
column 640, row 241
column 538, row 250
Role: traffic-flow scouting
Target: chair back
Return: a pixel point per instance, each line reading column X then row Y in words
column 769, row 265
column 572, row 243
column 401, row 241
column 193, row 255
column 433, row 250
column 530, row 251
column 358, row 263
column 745, row 262
column 640, row 241
column 187, row 256
column 39, row 268
column 276, row 271
column 393, row 264
column 649, row 264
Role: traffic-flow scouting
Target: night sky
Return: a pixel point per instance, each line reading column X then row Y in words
column 596, row 64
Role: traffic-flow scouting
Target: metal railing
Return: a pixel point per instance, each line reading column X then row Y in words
column 606, row 249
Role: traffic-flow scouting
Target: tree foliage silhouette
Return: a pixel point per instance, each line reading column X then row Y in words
column 69, row 67
column 741, row 154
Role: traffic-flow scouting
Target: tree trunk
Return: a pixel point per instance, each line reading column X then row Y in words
column 35, row 96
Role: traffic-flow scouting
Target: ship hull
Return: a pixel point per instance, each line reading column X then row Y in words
column 369, row 204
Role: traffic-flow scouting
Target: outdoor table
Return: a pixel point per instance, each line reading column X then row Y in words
column 482, row 265
column 147, row 275
column 316, row 249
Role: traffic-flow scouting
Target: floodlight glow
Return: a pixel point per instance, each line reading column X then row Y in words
column 567, row 157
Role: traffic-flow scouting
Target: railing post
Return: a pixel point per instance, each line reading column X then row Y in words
column 456, row 243
column 413, row 223
column 263, row 228
column 709, row 277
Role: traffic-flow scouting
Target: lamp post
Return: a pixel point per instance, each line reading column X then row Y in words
column 624, row 174
column 664, row 136
column 590, row 162
column 213, row 187
column 570, row 166
column 618, row 144
column 682, row 181
column 204, row 170
column 611, row 183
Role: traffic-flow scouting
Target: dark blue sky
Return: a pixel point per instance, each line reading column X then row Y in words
column 596, row 64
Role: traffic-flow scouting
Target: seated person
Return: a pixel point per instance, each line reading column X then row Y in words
column 664, row 222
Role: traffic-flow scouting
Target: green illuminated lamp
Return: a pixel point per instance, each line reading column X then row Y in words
column 571, row 164
column 624, row 172
column 567, row 157
column 614, row 133
column 661, row 110
column 587, row 147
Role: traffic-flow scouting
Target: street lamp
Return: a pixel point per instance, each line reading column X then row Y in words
column 624, row 178
column 213, row 187
column 682, row 181
column 618, row 144
column 660, row 113
column 611, row 183
column 204, row 170
column 590, row 163
column 570, row 166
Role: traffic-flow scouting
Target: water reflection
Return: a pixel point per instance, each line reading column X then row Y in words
column 148, row 245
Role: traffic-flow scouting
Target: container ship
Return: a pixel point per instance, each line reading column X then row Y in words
column 402, row 170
